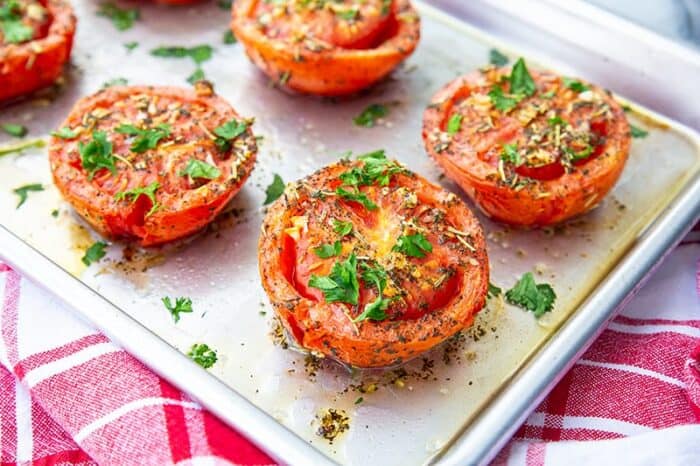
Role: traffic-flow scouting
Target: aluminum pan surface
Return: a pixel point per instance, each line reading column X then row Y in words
column 405, row 422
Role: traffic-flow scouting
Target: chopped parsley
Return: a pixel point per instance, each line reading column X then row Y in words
column 115, row 82
column 326, row 251
column 376, row 310
column 493, row 291
column 94, row 253
column 14, row 31
column 197, row 75
column 129, row 46
column 416, row 245
column 97, row 154
column 501, row 101
column 181, row 305
column 199, row 53
column 54, row 213
column 145, row 139
column 369, row 116
column 342, row 228
column 376, row 169
column 341, row 285
column 13, row 129
column 225, row 4
column 20, row 146
column 356, row 196
column 637, row 132
column 454, row 124
column 229, row 131
column 510, row 154
column 202, row 355
column 274, row 190
column 574, row 85
column 580, row 155
column 350, row 14
column 521, row 85
column 198, row 169
column 148, row 191
column 556, row 121
column 64, row 133
column 23, row 192
column 122, row 18
column 496, row 58
column 229, row 38
column 538, row 298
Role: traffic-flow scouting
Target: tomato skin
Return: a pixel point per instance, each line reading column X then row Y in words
column 23, row 69
column 553, row 195
column 333, row 71
column 182, row 212
column 326, row 328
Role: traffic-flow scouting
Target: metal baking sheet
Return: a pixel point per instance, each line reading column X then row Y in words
column 445, row 406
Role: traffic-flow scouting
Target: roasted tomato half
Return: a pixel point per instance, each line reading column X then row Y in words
column 151, row 164
column 370, row 264
column 326, row 48
column 36, row 38
column 530, row 148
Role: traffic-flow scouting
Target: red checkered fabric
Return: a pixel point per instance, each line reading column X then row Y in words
column 70, row 396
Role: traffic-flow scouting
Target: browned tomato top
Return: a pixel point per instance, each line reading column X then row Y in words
column 23, row 20
column 323, row 24
column 403, row 247
column 179, row 143
column 564, row 123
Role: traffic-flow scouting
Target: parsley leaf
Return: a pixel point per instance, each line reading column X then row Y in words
column 530, row 296
column 356, row 196
column 122, row 18
column 342, row 228
column 225, row 4
column 14, row 31
column 376, row 310
column 64, row 133
column 521, row 81
column 350, row 14
column 20, row 146
column 493, row 291
column 231, row 129
column 582, row 154
column 145, row 138
column 199, row 53
column 202, row 355
column 23, row 192
column 574, row 85
column 129, row 46
column 94, row 253
column 557, row 120
column 510, row 154
column 97, row 154
column 325, row 251
column 274, row 190
column 148, row 191
column 115, row 82
column 369, row 116
column 413, row 245
column 637, row 132
column 181, row 305
column 198, row 169
column 454, row 124
column 14, row 129
column 341, row 285
column 501, row 101
column 376, row 169
column 229, row 38
column 197, row 75
column 497, row 58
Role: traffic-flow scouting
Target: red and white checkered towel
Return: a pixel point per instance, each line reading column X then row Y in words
column 70, row 396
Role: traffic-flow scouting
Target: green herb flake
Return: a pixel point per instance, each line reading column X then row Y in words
column 454, row 124
column 274, row 189
column 342, row 228
column 369, row 116
column 197, row 75
column 181, row 305
column 376, row 276
column 356, row 196
column 376, row 168
column 97, row 154
column 115, row 82
column 556, row 121
column 493, row 291
column 537, row 298
column 351, row 14
column 148, row 191
column 145, row 139
column 359, row 400
column 198, row 169
column 580, row 155
column 521, row 82
column 14, row 31
column 94, row 253
column 231, row 129
column 129, row 46
column 20, row 146
column 64, row 133
column 574, row 85
column 416, row 245
column 510, row 154
column 229, row 38
column 224, row 4
column 326, row 251
column 23, row 192
column 496, row 58
column 202, row 355
column 13, row 129
column 637, row 132
column 502, row 102
column 199, row 53
column 341, row 285
column 122, row 18
column 54, row 213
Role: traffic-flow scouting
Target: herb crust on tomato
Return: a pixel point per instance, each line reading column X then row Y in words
column 370, row 264
column 326, row 48
column 530, row 148
column 151, row 164
column 36, row 37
